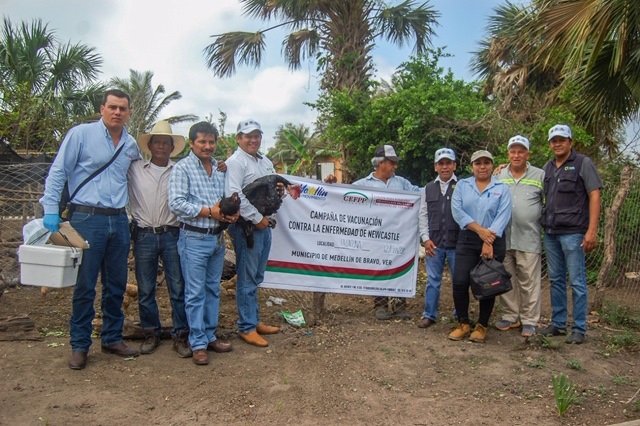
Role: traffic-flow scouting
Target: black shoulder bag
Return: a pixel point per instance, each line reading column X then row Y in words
column 65, row 208
column 489, row 279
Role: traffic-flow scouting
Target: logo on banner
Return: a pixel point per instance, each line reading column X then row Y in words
column 353, row 197
column 393, row 202
column 313, row 192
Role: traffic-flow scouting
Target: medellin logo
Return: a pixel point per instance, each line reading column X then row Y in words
column 314, row 192
column 353, row 197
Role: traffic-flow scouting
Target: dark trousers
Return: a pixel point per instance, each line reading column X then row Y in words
column 468, row 251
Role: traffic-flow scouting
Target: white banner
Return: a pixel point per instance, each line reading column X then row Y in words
column 346, row 239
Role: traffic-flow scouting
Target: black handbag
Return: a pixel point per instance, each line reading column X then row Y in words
column 489, row 279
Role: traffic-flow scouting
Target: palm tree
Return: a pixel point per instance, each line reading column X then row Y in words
column 503, row 60
column 41, row 79
column 147, row 102
column 295, row 143
column 339, row 34
column 596, row 43
column 586, row 51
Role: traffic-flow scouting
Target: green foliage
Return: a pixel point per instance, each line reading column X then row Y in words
column 45, row 86
column 147, row 102
column 565, row 393
column 619, row 342
column 574, row 364
column 423, row 109
column 537, row 363
column 620, row 315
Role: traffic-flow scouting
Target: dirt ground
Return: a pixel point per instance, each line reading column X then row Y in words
column 352, row 369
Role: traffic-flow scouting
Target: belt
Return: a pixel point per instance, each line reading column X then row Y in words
column 188, row 227
column 158, row 229
column 108, row 211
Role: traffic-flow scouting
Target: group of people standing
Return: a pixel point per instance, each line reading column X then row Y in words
column 176, row 218
column 508, row 216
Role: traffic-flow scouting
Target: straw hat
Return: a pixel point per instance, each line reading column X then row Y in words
column 161, row 128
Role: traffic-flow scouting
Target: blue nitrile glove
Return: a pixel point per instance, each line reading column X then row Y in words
column 51, row 222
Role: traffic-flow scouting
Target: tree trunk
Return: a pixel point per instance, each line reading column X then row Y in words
column 610, row 225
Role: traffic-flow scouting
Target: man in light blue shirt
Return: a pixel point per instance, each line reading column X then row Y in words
column 99, row 215
column 385, row 163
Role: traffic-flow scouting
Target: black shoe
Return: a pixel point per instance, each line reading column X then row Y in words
column 576, row 338
column 552, row 330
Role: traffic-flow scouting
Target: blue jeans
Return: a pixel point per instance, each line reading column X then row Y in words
column 202, row 259
column 147, row 250
column 565, row 254
column 108, row 238
column 435, row 266
column 250, row 267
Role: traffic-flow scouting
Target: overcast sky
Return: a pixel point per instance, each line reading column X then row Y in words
column 168, row 38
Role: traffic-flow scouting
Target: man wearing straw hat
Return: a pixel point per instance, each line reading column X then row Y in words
column 155, row 235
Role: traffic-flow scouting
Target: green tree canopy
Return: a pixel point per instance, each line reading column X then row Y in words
column 424, row 108
column 146, row 102
column 46, row 86
column 339, row 34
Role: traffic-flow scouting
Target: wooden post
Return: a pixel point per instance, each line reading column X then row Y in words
column 610, row 225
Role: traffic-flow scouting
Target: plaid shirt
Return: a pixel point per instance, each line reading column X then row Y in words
column 190, row 189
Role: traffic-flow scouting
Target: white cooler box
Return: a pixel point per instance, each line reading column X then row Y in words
column 49, row 265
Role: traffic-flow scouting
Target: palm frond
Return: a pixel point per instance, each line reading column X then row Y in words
column 245, row 46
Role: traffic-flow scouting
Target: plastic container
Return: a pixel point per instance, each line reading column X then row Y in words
column 49, row 265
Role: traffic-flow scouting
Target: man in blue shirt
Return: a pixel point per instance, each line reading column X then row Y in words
column 385, row 163
column 99, row 215
column 195, row 189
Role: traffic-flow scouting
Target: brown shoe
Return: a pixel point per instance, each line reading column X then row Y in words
column 479, row 334
column 219, row 347
column 267, row 329
column 425, row 322
column 253, row 338
column 121, row 349
column 151, row 342
column 460, row 332
column 200, row 357
column 77, row 360
column 181, row 345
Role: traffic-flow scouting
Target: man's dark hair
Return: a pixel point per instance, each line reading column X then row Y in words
column 203, row 127
column 117, row 93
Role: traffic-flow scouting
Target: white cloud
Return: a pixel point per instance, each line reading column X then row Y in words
column 168, row 38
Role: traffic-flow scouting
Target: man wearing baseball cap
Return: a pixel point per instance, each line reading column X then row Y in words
column 570, row 220
column 438, row 231
column 243, row 167
column 522, row 260
column 385, row 162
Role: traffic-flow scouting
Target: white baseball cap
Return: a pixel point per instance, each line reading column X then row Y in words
column 444, row 153
column 518, row 140
column 248, row 126
column 560, row 130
